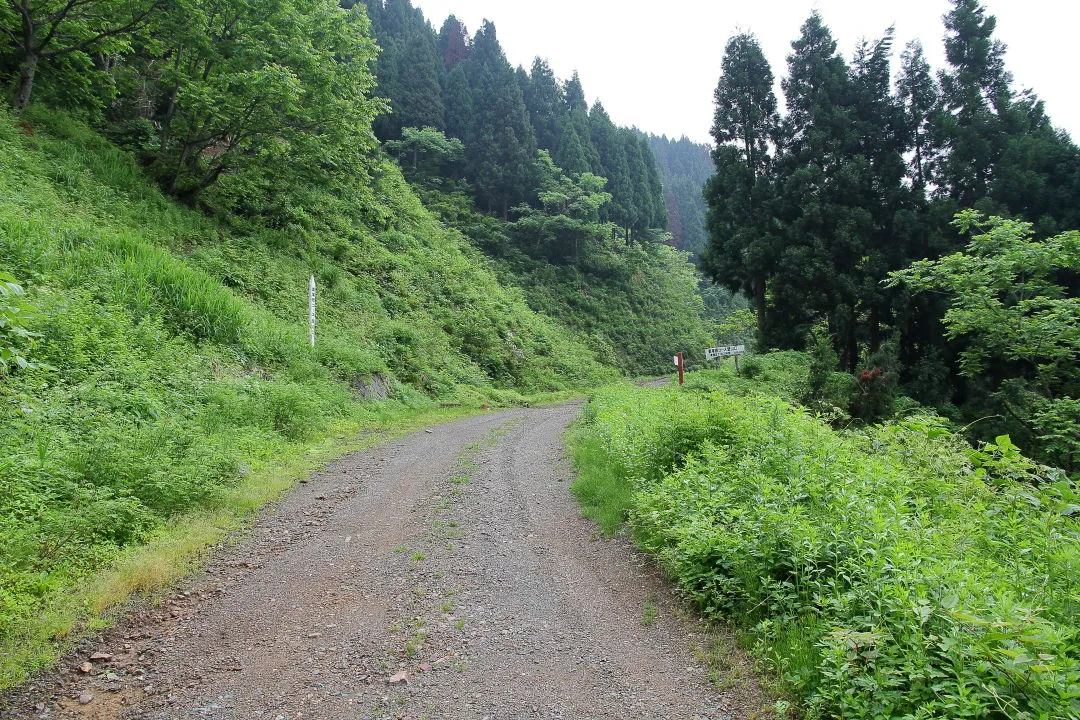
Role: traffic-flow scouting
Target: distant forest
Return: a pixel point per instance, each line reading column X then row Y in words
column 685, row 167
column 463, row 86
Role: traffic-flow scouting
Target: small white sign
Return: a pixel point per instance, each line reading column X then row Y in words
column 311, row 309
column 725, row 351
column 676, row 359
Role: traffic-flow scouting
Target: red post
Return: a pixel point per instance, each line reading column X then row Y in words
column 680, row 368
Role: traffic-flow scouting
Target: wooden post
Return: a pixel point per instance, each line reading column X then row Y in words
column 680, row 368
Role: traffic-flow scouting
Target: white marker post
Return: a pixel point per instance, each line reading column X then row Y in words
column 311, row 310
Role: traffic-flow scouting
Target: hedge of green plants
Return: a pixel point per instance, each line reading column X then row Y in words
column 887, row 572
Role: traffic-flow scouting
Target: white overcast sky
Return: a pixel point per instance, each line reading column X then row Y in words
column 655, row 64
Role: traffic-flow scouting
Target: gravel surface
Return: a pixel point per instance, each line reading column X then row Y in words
column 446, row 575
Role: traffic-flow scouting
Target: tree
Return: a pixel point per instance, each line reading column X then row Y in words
column 578, row 110
column 570, row 152
column 458, row 104
column 741, row 249
column 827, row 197
column 48, row 30
column 282, row 87
column 544, row 101
column 453, row 42
column 418, row 99
column 613, row 165
column 918, row 96
column 502, row 144
column 425, row 153
column 975, row 95
column 568, row 220
column 1019, row 323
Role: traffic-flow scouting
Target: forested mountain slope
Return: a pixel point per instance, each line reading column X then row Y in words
column 170, row 354
column 570, row 206
column 685, row 167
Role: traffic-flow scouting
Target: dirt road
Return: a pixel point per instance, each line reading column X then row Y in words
column 445, row 575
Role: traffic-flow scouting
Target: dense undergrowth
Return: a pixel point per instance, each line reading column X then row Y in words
column 170, row 355
column 634, row 304
column 886, row 572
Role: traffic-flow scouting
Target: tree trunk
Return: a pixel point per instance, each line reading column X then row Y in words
column 875, row 331
column 27, row 70
column 759, row 302
column 851, row 349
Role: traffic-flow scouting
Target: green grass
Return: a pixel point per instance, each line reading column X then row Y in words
column 600, row 484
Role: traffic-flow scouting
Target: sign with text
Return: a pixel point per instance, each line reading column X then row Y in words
column 725, row 351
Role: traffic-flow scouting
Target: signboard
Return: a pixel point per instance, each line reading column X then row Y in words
column 311, row 309
column 725, row 351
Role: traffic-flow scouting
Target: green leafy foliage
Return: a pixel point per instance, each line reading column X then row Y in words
column 887, row 572
column 1010, row 305
column 63, row 34
column 15, row 337
column 425, row 153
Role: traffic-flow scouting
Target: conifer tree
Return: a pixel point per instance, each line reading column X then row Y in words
column 613, row 166
column 418, row 99
column 502, row 142
column 742, row 246
column 578, row 109
column 458, row 105
column 544, row 101
column 918, row 95
column 975, row 95
column 570, row 153
column 453, row 42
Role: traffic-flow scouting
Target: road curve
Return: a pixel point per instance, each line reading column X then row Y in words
column 445, row 575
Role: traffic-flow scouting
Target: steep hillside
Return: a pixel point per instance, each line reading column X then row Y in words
column 170, row 366
column 685, row 166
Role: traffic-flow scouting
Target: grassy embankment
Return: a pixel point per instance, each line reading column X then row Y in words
column 885, row 572
column 176, row 391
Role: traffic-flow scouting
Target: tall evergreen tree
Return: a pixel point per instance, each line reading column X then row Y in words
column 544, row 101
column 975, row 96
column 458, row 105
column 570, row 152
column 453, row 42
column 502, row 144
column 918, row 95
column 824, row 205
column 613, row 165
column 656, row 215
column 418, row 101
column 578, row 109
column 742, row 246
column 881, row 143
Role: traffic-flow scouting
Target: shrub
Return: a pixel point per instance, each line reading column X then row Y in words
column 890, row 572
column 15, row 338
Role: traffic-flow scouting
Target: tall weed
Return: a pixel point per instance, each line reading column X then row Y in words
column 889, row 572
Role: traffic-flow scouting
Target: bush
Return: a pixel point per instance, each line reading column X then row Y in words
column 890, row 572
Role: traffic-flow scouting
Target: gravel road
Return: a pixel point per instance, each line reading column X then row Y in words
column 445, row 575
